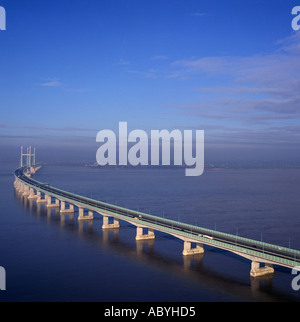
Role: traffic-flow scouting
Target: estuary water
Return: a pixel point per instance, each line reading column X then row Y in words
column 48, row 257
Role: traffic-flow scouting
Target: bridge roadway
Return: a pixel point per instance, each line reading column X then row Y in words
column 256, row 251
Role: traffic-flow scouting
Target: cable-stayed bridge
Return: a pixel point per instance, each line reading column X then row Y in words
column 256, row 251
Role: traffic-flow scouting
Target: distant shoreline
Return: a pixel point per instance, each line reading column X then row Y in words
column 172, row 167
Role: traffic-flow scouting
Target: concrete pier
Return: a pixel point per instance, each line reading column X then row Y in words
column 141, row 236
column 32, row 195
column 188, row 250
column 26, row 191
column 107, row 225
column 256, row 270
column 52, row 205
column 81, row 216
column 39, row 198
column 22, row 188
column 64, row 210
column 16, row 184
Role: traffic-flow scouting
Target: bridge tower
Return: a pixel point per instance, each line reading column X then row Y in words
column 30, row 157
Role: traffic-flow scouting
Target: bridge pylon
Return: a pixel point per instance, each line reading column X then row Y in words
column 30, row 157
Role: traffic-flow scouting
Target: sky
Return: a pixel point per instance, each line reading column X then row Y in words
column 71, row 68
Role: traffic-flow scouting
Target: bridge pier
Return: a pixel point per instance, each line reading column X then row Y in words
column 141, row 236
column 90, row 215
column 26, row 191
column 39, row 198
column 23, row 188
column 17, row 184
column 64, row 210
column 256, row 270
column 107, row 225
column 52, row 205
column 32, row 195
column 20, row 186
column 188, row 250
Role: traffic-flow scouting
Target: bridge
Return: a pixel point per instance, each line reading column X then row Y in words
column 261, row 255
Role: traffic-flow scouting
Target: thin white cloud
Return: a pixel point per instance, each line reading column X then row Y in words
column 124, row 62
column 55, row 82
column 150, row 74
column 160, row 57
column 198, row 14
column 290, row 44
column 265, row 87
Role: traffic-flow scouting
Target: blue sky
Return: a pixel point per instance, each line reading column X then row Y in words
column 70, row 68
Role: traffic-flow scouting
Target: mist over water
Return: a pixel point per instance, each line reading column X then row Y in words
column 51, row 257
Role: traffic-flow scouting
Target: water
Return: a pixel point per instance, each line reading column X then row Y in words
column 53, row 258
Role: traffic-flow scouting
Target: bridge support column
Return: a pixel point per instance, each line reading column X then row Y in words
column 188, row 250
column 90, row 215
column 26, row 191
column 16, row 182
column 39, row 198
column 141, row 236
column 63, row 209
column 52, row 205
column 22, row 187
column 107, row 225
column 32, row 195
column 256, row 270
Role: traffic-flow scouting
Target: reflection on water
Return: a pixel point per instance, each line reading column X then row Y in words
column 187, row 271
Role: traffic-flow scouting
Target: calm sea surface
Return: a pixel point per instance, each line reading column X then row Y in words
column 53, row 258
